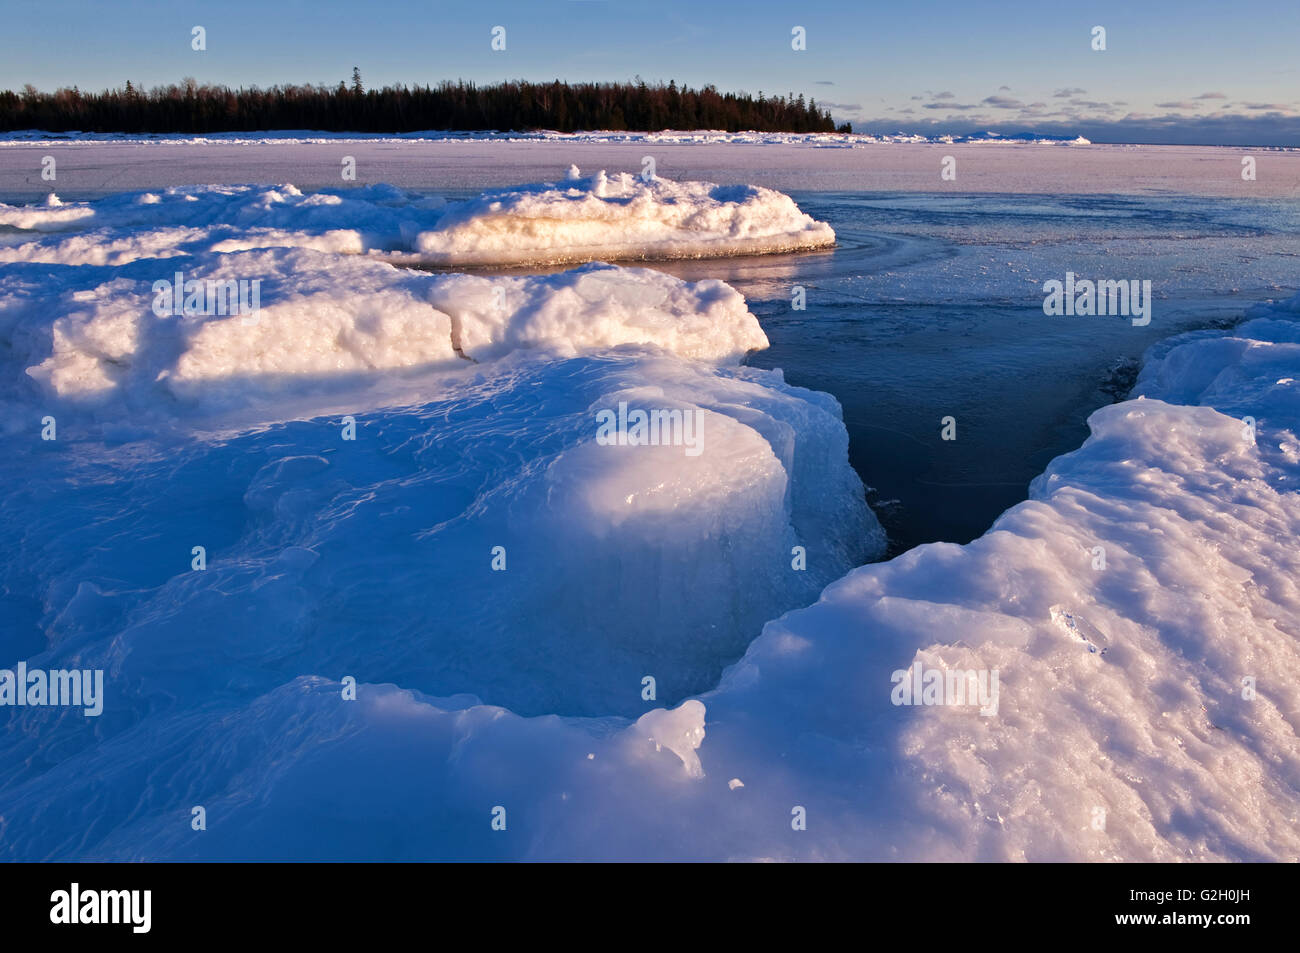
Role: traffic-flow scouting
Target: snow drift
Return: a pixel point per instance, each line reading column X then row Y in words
column 473, row 404
column 472, row 603
column 616, row 217
column 321, row 320
column 620, row 217
column 1152, row 749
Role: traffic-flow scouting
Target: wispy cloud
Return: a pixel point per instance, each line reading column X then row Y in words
column 1266, row 126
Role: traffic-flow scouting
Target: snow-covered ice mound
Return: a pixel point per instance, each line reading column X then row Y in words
column 375, row 556
column 1111, row 672
column 620, row 217
column 476, row 407
column 317, row 320
column 1145, row 707
column 122, row 228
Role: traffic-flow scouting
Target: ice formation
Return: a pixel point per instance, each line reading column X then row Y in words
column 611, row 217
column 321, row 317
column 666, row 136
column 459, row 608
column 620, row 217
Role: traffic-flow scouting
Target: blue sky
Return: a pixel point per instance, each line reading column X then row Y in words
column 1189, row 71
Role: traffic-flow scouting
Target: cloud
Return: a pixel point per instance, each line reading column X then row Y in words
column 1217, row 128
column 841, row 107
column 961, row 106
column 823, row 82
column 944, row 95
column 1068, row 92
column 1092, row 104
column 1180, row 104
column 1003, row 102
column 1212, row 96
column 1006, row 89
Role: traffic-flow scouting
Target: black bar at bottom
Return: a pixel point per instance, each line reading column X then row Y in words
column 1220, row 903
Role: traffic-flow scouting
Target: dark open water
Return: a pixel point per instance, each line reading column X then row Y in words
column 931, row 306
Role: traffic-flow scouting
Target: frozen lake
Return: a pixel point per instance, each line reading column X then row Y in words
column 357, row 571
column 929, row 306
column 93, row 169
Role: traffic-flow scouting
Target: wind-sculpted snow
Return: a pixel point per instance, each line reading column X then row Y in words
column 123, row 228
column 395, row 476
column 500, row 583
column 325, row 321
column 620, row 217
column 1122, row 728
column 616, row 217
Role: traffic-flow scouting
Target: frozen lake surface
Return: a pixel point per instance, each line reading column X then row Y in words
column 93, row 169
column 382, row 561
column 930, row 304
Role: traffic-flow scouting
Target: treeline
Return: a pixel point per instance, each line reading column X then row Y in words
column 459, row 106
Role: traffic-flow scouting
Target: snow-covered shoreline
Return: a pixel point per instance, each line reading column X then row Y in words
column 617, row 217
column 667, row 136
column 1140, row 610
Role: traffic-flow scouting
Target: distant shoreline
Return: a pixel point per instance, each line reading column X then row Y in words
column 89, row 169
column 664, row 137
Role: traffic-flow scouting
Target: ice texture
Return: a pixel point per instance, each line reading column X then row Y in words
column 1141, row 609
column 611, row 217
column 1150, row 751
column 473, row 544
column 620, row 217
column 323, row 318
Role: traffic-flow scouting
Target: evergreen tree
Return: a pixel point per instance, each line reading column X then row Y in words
column 459, row 106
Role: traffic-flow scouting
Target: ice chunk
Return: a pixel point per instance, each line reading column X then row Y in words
column 601, row 217
column 681, row 731
column 619, row 217
column 1080, row 629
column 284, row 321
column 596, row 307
